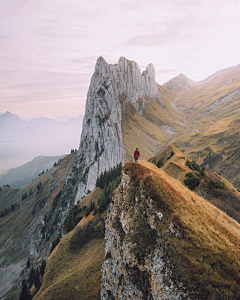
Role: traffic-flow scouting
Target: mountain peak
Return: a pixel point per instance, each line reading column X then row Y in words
column 180, row 83
column 8, row 115
column 102, row 125
column 150, row 71
column 182, row 76
column 101, row 65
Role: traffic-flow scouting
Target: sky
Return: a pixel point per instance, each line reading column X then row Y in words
column 48, row 48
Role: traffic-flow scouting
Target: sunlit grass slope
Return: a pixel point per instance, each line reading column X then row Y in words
column 158, row 121
column 174, row 163
column 213, row 111
column 206, row 255
column 73, row 269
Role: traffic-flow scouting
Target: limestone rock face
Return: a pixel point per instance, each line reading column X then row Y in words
column 126, row 273
column 101, row 146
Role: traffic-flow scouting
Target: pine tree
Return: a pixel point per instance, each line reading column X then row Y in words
column 25, row 294
column 95, row 211
column 32, row 277
column 28, row 263
column 87, row 212
column 37, row 282
column 42, row 269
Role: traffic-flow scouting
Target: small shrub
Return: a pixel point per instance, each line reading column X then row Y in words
column 202, row 172
column 216, row 184
column 192, row 182
column 160, row 163
column 193, row 165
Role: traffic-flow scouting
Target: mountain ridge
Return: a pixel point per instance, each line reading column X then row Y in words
column 126, row 109
column 191, row 240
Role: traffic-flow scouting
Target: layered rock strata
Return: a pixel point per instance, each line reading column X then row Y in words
column 101, row 146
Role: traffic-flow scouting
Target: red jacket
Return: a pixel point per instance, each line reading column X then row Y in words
column 136, row 153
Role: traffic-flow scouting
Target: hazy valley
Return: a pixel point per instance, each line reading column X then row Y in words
column 23, row 140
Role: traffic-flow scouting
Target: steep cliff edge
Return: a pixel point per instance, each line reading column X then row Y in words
column 163, row 241
column 119, row 94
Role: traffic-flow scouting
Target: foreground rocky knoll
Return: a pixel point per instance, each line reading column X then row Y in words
column 162, row 241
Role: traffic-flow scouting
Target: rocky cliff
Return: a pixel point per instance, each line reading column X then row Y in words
column 101, row 146
column 129, row 270
column 164, row 242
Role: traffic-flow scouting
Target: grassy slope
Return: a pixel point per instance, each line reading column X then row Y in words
column 14, row 224
column 174, row 165
column 214, row 121
column 10, row 196
column 92, row 197
column 206, row 256
column 144, row 131
column 139, row 132
column 73, row 274
column 24, row 215
column 207, row 234
column 227, row 199
column 201, row 97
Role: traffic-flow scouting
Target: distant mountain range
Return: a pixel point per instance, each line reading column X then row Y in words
column 59, row 118
column 21, row 176
column 21, row 140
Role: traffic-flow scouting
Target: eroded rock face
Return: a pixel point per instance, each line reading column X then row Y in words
column 128, row 273
column 101, row 146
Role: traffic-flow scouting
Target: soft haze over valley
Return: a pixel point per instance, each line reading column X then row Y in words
column 22, row 140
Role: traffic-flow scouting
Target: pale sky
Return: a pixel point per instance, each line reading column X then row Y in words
column 48, row 48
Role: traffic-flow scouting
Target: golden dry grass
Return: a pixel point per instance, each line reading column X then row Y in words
column 144, row 131
column 174, row 162
column 92, row 197
column 73, row 274
column 225, row 232
column 206, row 255
column 139, row 132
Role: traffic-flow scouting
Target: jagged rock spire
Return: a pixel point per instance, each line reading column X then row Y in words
column 101, row 146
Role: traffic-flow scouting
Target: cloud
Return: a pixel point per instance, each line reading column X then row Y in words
column 168, row 71
column 10, row 7
column 168, row 37
column 170, row 32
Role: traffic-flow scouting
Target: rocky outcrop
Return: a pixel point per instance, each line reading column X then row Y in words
column 101, row 146
column 128, row 272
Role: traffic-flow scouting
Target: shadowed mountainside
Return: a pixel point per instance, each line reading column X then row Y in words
column 21, row 176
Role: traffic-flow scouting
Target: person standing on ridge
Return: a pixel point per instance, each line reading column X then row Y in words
column 136, row 154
